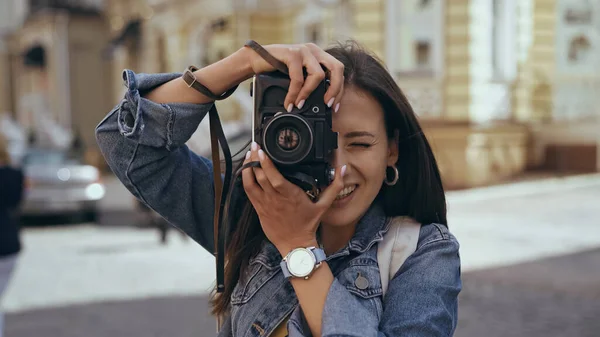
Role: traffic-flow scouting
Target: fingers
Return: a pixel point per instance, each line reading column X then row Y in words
column 338, row 98
column 294, row 63
column 328, row 196
column 253, row 190
column 276, row 180
column 315, row 75
column 311, row 57
column 259, row 173
column 334, row 93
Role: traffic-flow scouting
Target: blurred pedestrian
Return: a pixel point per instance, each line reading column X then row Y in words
column 149, row 218
column 11, row 180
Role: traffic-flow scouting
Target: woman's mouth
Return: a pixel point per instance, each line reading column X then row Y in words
column 346, row 192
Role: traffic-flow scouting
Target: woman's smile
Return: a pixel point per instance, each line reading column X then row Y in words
column 344, row 197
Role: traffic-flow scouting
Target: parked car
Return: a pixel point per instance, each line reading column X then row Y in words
column 58, row 183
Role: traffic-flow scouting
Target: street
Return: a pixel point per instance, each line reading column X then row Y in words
column 530, row 258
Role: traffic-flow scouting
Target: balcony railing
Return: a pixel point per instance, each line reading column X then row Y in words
column 424, row 92
column 77, row 6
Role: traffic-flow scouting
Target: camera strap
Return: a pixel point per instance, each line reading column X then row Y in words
column 221, row 187
column 217, row 138
column 221, row 184
column 262, row 52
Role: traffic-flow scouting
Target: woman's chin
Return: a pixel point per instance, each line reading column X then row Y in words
column 337, row 217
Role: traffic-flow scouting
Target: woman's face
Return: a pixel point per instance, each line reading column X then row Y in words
column 364, row 147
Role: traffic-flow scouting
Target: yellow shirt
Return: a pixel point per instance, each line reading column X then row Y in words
column 281, row 330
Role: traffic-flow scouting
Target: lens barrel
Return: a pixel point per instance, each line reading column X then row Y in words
column 288, row 138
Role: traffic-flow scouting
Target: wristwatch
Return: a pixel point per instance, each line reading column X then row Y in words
column 301, row 262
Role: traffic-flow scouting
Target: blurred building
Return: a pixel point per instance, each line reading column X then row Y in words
column 501, row 86
column 59, row 82
column 495, row 86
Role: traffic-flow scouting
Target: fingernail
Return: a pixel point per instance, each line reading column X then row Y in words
column 343, row 170
column 247, row 155
column 330, row 103
column 261, row 155
column 301, row 104
column 337, row 107
column 254, row 146
column 290, row 107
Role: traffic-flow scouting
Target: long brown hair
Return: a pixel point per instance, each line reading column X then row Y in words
column 418, row 193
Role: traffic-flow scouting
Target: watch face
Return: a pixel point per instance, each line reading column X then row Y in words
column 301, row 262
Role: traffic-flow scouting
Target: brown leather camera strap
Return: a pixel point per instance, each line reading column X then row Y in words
column 217, row 137
column 262, row 52
column 189, row 78
column 221, row 188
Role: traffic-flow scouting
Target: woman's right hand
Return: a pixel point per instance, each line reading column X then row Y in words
column 296, row 57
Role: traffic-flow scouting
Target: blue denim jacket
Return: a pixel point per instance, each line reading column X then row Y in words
column 144, row 144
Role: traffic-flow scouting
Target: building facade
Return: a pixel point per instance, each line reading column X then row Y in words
column 12, row 15
column 501, row 86
column 58, row 79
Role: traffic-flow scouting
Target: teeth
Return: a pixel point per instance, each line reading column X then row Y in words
column 346, row 191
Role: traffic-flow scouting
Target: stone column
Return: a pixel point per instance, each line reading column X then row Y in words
column 61, row 37
column 5, row 79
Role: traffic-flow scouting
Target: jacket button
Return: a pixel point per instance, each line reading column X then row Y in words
column 361, row 282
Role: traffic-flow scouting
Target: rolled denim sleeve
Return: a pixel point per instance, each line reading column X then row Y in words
column 422, row 299
column 144, row 145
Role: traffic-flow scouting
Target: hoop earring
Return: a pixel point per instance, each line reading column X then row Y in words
column 396, row 176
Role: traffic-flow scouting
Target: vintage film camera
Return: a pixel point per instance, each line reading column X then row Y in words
column 300, row 143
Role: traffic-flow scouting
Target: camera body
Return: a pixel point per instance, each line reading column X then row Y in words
column 300, row 143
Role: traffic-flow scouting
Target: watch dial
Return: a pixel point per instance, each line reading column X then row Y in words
column 301, row 262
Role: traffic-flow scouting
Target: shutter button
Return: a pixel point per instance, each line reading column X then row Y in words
column 361, row 282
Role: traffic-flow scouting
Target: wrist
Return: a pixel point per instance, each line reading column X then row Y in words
column 242, row 58
column 285, row 248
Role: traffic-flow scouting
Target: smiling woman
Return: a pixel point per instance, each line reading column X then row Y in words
column 293, row 265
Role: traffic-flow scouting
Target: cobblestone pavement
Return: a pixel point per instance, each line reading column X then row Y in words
column 555, row 297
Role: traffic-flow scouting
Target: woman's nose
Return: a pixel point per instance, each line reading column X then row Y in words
column 338, row 158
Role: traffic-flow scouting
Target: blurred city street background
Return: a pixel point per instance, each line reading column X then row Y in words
column 507, row 91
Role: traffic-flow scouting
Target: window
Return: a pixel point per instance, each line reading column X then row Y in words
column 496, row 40
column 423, row 52
column 308, row 24
column 415, row 37
column 161, row 50
column 313, row 33
column 503, row 45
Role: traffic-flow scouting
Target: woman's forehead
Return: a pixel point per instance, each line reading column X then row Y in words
column 359, row 111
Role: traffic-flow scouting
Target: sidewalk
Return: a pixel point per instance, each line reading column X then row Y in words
column 519, row 222
column 496, row 226
column 555, row 297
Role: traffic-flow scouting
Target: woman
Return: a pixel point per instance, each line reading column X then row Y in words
column 11, row 191
column 384, row 167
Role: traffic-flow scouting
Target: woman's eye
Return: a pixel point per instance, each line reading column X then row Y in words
column 365, row 145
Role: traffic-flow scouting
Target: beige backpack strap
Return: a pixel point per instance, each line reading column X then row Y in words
column 398, row 244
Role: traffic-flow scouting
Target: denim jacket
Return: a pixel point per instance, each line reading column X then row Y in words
column 144, row 144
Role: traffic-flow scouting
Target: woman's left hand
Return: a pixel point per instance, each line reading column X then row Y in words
column 288, row 217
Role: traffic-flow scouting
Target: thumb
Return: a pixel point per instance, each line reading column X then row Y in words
column 330, row 193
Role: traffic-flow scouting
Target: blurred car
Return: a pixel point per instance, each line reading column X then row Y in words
column 58, row 183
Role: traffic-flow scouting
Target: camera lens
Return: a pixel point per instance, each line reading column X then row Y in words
column 287, row 139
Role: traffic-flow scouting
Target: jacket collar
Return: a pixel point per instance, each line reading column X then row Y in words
column 370, row 229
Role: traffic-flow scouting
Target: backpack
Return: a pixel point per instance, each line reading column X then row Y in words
column 398, row 244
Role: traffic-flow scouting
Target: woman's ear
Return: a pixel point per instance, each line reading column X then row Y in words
column 393, row 148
